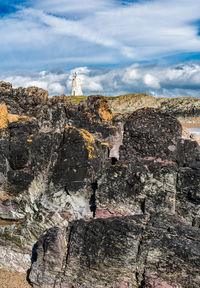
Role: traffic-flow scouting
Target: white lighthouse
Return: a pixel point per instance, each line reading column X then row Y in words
column 76, row 86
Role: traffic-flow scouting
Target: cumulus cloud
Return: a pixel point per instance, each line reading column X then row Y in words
column 55, row 84
column 151, row 81
column 80, row 35
column 169, row 81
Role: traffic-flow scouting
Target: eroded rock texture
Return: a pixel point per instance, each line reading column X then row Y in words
column 187, row 109
column 150, row 133
column 131, row 251
column 63, row 164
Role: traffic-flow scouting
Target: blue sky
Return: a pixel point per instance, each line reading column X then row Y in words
column 117, row 46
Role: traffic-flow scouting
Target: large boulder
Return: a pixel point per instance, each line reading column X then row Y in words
column 150, row 133
column 137, row 187
column 79, row 160
column 52, row 245
column 134, row 251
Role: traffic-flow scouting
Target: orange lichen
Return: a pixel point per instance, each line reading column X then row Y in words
column 3, row 116
column 88, row 139
column 4, row 197
column 10, row 222
column 26, row 118
column 105, row 144
column 29, row 139
column 105, row 113
column 87, row 136
column 90, row 116
column 70, row 128
column 6, row 117
column 13, row 118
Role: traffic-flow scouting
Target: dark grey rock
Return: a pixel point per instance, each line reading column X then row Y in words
column 129, row 251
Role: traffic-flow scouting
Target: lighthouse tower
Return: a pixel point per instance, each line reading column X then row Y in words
column 76, row 86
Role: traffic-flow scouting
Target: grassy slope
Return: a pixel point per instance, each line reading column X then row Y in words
column 76, row 99
column 181, row 107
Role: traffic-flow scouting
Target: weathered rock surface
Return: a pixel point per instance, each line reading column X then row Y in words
column 187, row 109
column 134, row 251
column 48, row 161
column 63, row 164
column 150, row 133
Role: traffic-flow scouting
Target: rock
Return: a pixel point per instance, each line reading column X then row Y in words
column 138, row 187
column 47, row 172
column 132, row 102
column 79, row 159
column 121, row 252
column 16, row 259
column 5, row 85
column 184, row 156
column 63, row 164
column 188, row 195
column 49, row 251
column 186, row 109
column 143, row 138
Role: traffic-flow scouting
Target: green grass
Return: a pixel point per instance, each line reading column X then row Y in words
column 112, row 98
column 76, row 99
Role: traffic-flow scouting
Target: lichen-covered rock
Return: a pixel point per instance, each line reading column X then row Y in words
column 49, row 253
column 150, row 133
column 46, row 178
column 61, row 162
column 46, row 172
column 137, row 187
column 79, row 159
column 185, row 157
column 188, row 195
column 186, row 109
column 134, row 251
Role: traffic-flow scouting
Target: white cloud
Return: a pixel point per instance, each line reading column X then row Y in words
column 86, row 33
column 55, row 84
column 151, row 81
column 53, row 29
column 69, row 6
column 56, row 88
column 131, row 75
column 168, row 81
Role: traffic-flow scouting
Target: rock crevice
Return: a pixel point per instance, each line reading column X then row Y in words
column 111, row 199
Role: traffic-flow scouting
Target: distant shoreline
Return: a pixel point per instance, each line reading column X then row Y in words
column 191, row 125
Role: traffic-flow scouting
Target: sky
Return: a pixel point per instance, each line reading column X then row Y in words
column 115, row 46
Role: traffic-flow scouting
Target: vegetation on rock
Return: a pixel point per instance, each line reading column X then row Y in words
column 96, row 198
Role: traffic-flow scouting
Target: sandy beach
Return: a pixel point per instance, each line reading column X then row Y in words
column 13, row 279
column 191, row 125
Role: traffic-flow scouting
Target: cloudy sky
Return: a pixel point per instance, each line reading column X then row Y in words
column 116, row 46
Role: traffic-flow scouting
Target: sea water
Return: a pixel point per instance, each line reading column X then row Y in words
column 195, row 130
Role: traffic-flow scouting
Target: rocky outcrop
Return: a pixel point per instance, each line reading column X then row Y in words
column 134, row 251
column 49, row 253
column 61, row 165
column 48, row 162
column 187, row 109
column 150, row 133
column 147, row 186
